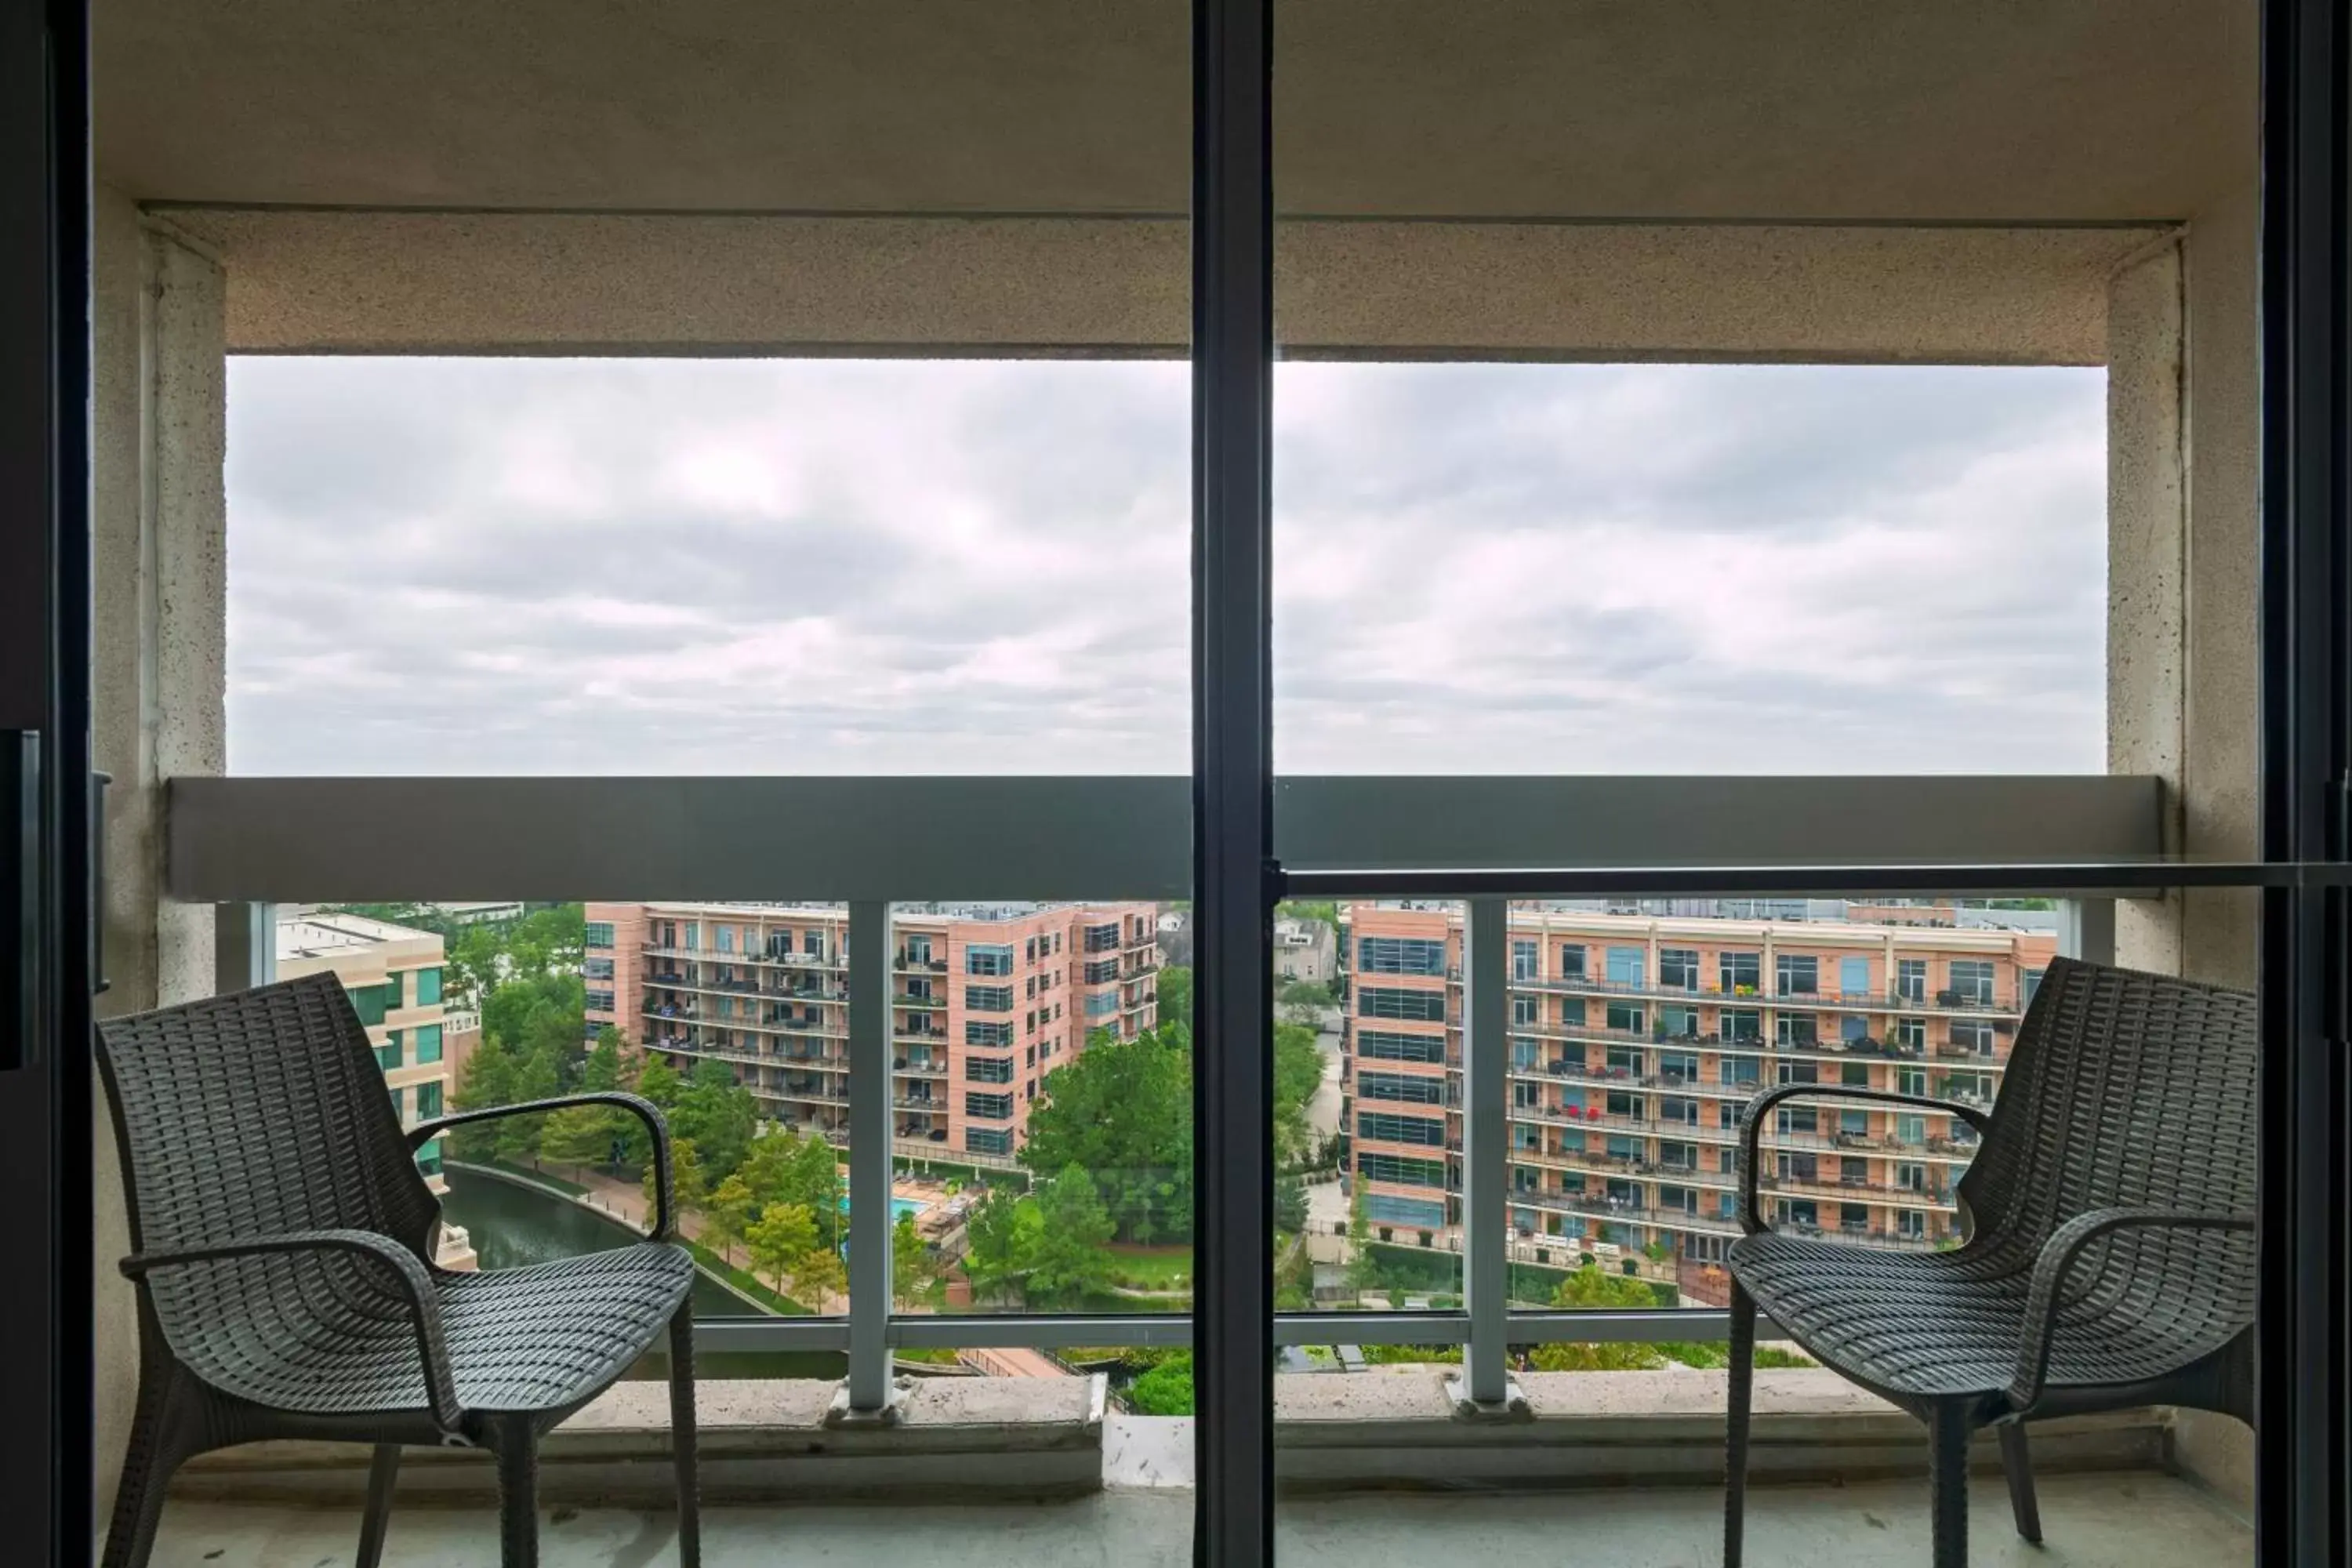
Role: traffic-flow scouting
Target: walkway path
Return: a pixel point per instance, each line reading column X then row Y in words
column 1003, row 1361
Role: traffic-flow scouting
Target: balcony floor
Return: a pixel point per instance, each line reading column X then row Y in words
column 2139, row 1519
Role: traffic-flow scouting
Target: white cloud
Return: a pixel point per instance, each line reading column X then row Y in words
column 826, row 566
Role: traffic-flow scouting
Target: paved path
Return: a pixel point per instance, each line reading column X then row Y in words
column 1009, row 1363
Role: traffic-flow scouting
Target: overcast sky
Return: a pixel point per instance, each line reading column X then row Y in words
column 617, row 566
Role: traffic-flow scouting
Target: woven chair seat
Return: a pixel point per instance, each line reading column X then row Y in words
column 1944, row 1324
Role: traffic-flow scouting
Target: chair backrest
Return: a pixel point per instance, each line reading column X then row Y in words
column 254, row 1113
column 2125, row 1090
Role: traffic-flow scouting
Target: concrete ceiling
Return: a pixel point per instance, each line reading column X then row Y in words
column 2061, row 111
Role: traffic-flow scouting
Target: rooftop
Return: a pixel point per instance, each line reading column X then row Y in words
column 321, row 934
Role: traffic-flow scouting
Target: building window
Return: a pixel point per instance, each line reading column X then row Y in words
column 987, row 1140
column 1742, row 1023
column 987, row 958
column 1853, row 976
column 1523, row 961
column 1739, row 972
column 429, row 986
column 1101, row 1004
column 1972, row 981
column 1677, row 1066
column 1419, row 1214
column 590, row 969
column 1627, row 1017
column 988, row 1069
column 428, row 1043
column 1973, row 1036
column 1911, row 1034
column 1403, row 1172
column 1400, row 1087
column 1399, row 955
column 1571, row 1012
column 812, row 943
column 597, row 1001
column 2033, row 985
column 1852, row 1026
column 1424, row 1006
column 1525, row 1012
column 726, row 935
column 400, row 1105
column 1678, row 1023
column 988, row 1107
column 1626, row 964
column 1799, row 1031
column 1388, row 1046
column 368, row 1002
column 1103, row 939
column 1677, row 969
column 1571, row 960
column 429, row 1101
column 1911, row 979
column 1911, row 1080
column 988, row 998
column 1740, row 1069
column 600, row 934
column 1390, row 1128
column 1797, row 974
column 1101, row 971
column 978, row 1033
column 387, row 1055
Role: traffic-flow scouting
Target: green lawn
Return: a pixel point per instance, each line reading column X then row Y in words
column 1150, row 1268
column 783, row 1306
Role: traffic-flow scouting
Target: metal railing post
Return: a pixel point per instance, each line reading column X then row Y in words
column 869, row 1391
column 2086, row 930
column 1484, row 1388
column 245, row 946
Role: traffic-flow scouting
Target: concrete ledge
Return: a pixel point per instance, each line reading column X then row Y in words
column 954, row 1439
column 1020, row 1438
column 1396, row 1428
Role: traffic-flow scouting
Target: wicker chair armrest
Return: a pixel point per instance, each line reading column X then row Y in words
column 646, row 1110
column 1751, row 1125
column 414, row 1282
column 2057, row 1260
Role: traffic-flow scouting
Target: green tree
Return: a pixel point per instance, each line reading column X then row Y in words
column 1068, row 1262
column 1589, row 1287
column 821, row 1276
column 602, row 1072
column 779, row 1239
column 726, row 1214
column 1175, row 997
column 487, row 1080
column 534, row 1077
column 1123, row 1112
column 686, row 1185
column 658, row 1082
column 1363, row 1268
column 1001, row 1242
column 1165, row 1390
column 1298, row 1074
column 1290, row 1204
column 719, row 1114
column 910, row 1261
column 581, row 1135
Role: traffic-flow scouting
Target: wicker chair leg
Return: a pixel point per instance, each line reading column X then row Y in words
column 155, row 1452
column 2017, row 1463
column 682, row 1435
column 1735, row 1466
column 518, row 1448
column 383, row 1471
column 1948, row 1466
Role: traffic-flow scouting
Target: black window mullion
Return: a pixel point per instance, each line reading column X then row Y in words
column 1232, row 818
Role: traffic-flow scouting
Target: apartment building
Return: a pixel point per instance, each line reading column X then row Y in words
column 1636, row 1043
column 393, row 974
column 1305, row 951
column 986, row 1001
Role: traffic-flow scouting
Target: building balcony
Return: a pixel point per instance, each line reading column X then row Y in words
column 1939, row 1002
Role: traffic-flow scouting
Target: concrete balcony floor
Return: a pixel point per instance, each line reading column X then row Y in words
column 2135, row 1519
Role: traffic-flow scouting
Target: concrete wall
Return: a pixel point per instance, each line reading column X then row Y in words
column 159, row 558
column 2184, row 633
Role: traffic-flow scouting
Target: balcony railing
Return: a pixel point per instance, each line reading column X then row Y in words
column 1944, row 1003
column 1085, row 838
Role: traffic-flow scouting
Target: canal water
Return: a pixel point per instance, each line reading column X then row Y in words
column 513, row 1224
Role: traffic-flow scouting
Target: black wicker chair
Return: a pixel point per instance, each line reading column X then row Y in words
column 2110, row 1256
column 285, row 1270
